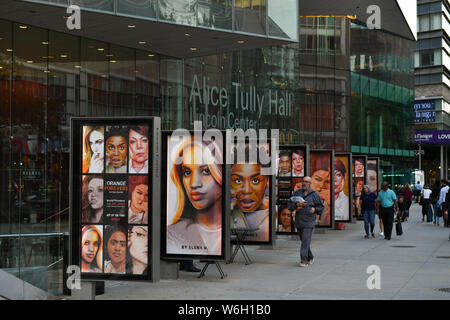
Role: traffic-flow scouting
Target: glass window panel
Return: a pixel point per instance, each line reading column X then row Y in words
column 94, row 80
column 8, row 193
column 179, row 11
column 250, row 16
column 217, row 14
column 424, row 23
column 283, row 18
column 122, row 72
column 141, row 8
column 101, row 5
column 436, row 21
column 148, row 98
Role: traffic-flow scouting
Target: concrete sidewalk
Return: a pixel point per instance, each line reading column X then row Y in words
column 339, row 271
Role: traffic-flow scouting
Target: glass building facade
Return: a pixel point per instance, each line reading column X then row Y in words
column 330, row 90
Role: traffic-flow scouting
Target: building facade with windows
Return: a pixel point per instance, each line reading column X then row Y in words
column 432, row 84
column 321, row 75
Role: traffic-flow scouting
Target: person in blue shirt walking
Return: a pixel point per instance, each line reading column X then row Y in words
column 387, row 206
column 368, row 210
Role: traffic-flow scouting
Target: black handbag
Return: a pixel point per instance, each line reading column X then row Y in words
column 398, row 228
column 439, row 212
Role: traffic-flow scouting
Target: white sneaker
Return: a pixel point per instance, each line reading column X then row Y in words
column 381, row 234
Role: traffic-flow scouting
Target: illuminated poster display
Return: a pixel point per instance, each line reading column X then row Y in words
column 115, row 181
column 359, row 168
column 342, row 187
column 252, row 204
column 292, row 167
column 373, row 173
column 194, row 201
column 321, row 167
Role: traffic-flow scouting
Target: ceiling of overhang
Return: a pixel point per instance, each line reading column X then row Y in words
column 163, row 38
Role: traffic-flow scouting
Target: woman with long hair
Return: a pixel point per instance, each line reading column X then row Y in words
column 115, row 249
column 91, row 249
column 92, row 202
column 137, row 252
column 195, row 225
column 93, row 149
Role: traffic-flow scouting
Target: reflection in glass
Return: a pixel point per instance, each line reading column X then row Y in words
column 250, row 16
column 178, row 11
column 142, row 8
column 103, row 5
column 283, row 21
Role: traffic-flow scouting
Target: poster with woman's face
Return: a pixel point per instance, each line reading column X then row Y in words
column 91, row 248
column 194, row 203
column 359, row 164
column 137, row 250
column 138, row 206
column 284, row 164
column 342, row 187
column 298, row 163
column 93, row 149
column 138, row 142
column 111, row 205
column 372, row 175
column 285, row 220
column 250, row 202
column 92, row 199
column 116, row 146
column 320, row 168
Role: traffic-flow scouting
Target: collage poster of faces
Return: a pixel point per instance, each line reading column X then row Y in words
column 359, row 164
column 342, row 187
column 290, row 173
column 194, row 209
column 115, row 202
column 250, row 195
column 320, row 169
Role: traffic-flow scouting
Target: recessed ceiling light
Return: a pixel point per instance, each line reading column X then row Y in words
column 1, row 67
column 78, row 67
column 188, row 34
column 151, row 55
column 113, row 61
column 240, row 41
column 110, row 55
column 193, row 49
column 142, row 42
column 47, row 71
column 44, row 42
column 23, row 27
column 64, row 56
column 29, row 61
column 9, row 50
column 131, row 26
column 101, row 49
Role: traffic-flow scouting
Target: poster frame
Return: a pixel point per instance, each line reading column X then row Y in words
column 331, row 152
column 75, row 196
column 226, row 246
column 354, row 157
column 291, row 148
column 350, row 183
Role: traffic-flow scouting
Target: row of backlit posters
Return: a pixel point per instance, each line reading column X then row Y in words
column 330, row 177
column 139, row 193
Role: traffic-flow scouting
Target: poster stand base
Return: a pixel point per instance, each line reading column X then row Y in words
column 170, row 270
column 207, row 263
column 86, row 292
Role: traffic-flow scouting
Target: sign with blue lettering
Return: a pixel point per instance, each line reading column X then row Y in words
column 424, row 112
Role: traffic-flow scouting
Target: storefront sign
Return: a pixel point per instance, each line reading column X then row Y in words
column 424, row 111
column 432, row 137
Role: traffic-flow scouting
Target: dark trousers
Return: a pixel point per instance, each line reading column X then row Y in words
column 387, row 216
column 305, row 250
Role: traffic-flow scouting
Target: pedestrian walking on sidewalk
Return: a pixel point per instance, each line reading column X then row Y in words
column 306, row 210
column 387, row 206
column 407, row 195
column 368, row 210
column 425, row 202
column 417, row 191
column 442, row 196
column 435, row 194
